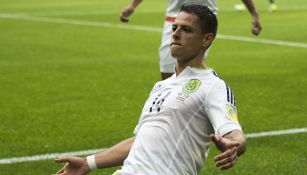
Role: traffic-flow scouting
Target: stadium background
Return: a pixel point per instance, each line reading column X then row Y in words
column 73, row 78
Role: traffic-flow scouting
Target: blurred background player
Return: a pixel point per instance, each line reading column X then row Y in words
column 167, row 62
column 272, row 8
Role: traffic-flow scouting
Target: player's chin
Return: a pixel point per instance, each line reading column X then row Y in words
column 175, row 51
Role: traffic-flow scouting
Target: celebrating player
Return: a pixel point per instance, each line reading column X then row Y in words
column 182, row 115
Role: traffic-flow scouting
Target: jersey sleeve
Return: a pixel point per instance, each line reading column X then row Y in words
column 136, row 128
column 221, row 109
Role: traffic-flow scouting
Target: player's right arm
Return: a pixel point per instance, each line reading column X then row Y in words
column 128, row 10
column 112, row 157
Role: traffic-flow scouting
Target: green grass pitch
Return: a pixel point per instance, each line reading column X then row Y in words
column 67, row 87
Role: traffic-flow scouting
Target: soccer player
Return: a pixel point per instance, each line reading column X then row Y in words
column 181, row 116
column 273, row 7
column 167, row 61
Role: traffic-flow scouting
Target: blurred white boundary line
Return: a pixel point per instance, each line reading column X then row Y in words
column 144, row 28
column 104, row 11
column 275, row 133
column 48, row 156
column 93, row 151
column 263, row 41
column 80, row 13
column 81, row 22
column 262, row 10
column 23, row 5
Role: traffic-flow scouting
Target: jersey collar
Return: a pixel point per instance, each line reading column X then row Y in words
column 189, row 70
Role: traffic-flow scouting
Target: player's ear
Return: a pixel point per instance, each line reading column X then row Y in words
column 208, row 38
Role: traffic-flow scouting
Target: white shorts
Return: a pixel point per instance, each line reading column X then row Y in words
column 167, row 61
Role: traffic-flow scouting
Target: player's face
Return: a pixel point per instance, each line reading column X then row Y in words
column 187, row 38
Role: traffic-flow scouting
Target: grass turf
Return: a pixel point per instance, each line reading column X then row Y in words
column 69, row 88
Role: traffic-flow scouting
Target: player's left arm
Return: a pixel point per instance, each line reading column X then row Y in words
column 228, row 137
column 232, row 145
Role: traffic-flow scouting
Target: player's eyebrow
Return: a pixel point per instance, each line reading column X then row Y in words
column 188, row 27
column 184, row 26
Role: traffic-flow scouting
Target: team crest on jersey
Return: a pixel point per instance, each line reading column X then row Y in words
column 232, row 113
column 191, row 86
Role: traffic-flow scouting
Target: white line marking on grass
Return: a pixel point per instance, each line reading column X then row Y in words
column 48, row 156
column 93, row 151
column 81, row 22
column 263, row 41
column 79, row 13
column 282, row 9
column 41, row 4
column 148, row 29
column 276, row 133
column 116, row 12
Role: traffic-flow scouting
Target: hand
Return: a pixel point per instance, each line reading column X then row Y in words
column 256, row 28
column 228, row 157
column 125, row 13
column 73, row 166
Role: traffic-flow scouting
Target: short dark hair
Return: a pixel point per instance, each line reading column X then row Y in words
column 207, row 18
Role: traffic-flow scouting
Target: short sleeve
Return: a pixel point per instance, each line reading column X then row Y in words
column 221, row 109
column 136, row 129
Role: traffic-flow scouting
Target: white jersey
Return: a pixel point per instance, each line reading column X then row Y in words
column 172, row 136
column 175, row 5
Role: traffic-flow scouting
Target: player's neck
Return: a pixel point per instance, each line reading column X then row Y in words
column 194, row 63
